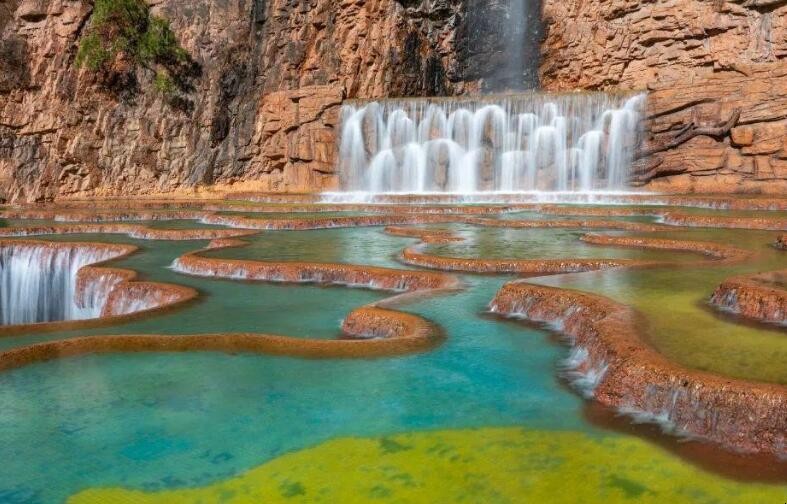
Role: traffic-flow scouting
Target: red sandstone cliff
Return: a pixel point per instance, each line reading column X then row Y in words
column 711, row 66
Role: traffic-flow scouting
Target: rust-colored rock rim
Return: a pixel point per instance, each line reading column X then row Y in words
column 672, row 218
column 161, row 296
column 759, row 297
column 717, row 221
column 717, row 252
column 108, row 220
column 371, row 331
column 194, row 263
column 611, row 363
column 720, row 202
column 416, row 256
column 566, row 224
column 294, row 203
column 132, row 230
column 112, row 222
column 425, row 235
column 376, row 332
column 324, row 222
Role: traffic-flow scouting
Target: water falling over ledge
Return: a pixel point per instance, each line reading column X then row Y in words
column 39, row 282
column 528, row 143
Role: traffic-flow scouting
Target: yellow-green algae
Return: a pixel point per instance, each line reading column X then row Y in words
column 490, row 465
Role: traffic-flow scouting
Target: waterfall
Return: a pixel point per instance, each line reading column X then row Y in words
column 38, row 283
column 529, row 142
column 92, row 292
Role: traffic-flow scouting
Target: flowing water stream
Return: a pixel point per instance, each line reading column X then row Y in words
column 39, row 284
column 530, row 142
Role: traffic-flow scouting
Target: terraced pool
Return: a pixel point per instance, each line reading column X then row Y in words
column 374, row 355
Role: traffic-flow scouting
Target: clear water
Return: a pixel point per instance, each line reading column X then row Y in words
column 158, row 422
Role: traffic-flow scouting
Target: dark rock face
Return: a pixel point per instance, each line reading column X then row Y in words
column 499, row 41
column 13, row 61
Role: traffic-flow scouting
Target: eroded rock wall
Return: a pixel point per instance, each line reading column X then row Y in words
column 272, row 75
column 264, row 111
column 704, row 62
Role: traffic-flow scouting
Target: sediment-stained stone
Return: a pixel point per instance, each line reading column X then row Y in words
column 760, row 297
column 622, row 371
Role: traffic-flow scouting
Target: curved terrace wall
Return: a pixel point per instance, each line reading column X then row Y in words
column 612, row 364
column 60, row 285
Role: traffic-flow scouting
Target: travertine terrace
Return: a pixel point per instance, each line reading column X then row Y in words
column 593, row 322
column 393, row 251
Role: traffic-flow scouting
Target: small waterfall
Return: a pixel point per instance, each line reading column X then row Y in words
column 38, row 283
column 530, row 142
column 93, row 292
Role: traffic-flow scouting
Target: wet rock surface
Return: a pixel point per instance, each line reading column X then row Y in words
column 265, row 104
column 626, row 374
column 759, row 297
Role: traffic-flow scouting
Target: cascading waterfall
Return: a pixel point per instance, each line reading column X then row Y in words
column 93, row 293
column 530, row 142
column 38, row 283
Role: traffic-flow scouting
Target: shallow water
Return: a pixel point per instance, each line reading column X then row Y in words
column 681, row 325
column 156, row 422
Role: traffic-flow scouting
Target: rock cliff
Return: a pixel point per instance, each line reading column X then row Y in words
column 263, row 110
column 717, row 76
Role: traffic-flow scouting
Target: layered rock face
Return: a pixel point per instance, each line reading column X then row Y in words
column 263, row 111
column 717, row 76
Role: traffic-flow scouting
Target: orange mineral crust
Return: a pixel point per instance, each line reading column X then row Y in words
column 425, row 235
column 103, row 215
column 324, row 222
column 710, row 201
column 132, row 230
column 566, row 224
column 416, row 257
column 720, row 253
column 327, row 273
column 717, row 221
column 371, row 332
column 760, row 297
column 612, row 363
column 116, row 251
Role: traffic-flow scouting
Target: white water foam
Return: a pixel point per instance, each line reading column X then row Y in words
column 488, row 147
column 38, row 283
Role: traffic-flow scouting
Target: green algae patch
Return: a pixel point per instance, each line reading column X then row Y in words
column 491, row 465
